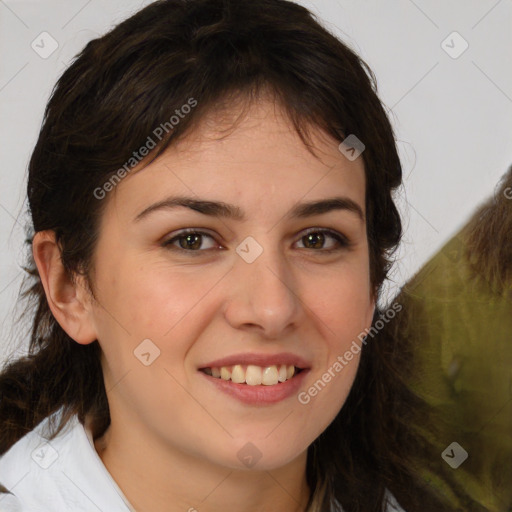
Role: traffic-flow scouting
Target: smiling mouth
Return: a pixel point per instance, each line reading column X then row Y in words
column 253, row 375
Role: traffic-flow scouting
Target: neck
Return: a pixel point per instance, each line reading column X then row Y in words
column 164, row 479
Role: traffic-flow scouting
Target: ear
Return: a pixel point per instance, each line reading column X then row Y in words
column 70, row 302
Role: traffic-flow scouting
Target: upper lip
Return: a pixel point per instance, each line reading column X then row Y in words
column 259, row 360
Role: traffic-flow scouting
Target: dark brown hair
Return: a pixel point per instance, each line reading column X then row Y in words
column 117, row 91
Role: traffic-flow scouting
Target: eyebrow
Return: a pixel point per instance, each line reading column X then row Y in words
column 225, row 210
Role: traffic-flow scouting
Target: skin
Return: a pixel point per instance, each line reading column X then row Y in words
column 173, row 441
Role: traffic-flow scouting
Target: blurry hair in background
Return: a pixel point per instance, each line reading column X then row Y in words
column 457, row 321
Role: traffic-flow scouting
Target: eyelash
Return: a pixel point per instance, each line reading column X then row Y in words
column 342, row 240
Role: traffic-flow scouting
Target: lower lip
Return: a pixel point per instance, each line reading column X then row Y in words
column 259, row 395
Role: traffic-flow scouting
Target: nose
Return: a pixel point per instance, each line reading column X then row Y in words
column 262, row 295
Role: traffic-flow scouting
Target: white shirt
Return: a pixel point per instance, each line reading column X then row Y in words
column 64, row 475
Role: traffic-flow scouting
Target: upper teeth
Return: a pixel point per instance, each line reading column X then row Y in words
column 253, row 375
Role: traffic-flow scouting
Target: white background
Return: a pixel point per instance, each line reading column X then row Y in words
column 452, row 116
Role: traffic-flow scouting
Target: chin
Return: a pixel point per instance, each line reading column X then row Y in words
column 260, row 456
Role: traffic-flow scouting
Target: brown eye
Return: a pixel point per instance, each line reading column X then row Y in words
column 316, row 238
column 190, row 240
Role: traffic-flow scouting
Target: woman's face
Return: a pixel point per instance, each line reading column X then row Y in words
column 251, row 289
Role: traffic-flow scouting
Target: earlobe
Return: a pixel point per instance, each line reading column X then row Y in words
column 68, row 300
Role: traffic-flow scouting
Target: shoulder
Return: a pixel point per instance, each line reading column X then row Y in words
column 60, row 474
column 30, row 469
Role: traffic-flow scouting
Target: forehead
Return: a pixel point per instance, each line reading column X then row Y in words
column 256, row 158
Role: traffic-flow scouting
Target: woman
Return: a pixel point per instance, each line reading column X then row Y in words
column 213, row 221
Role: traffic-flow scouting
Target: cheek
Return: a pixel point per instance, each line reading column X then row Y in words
column 151, row 300
column 344, row 311
column 325, row 395
column 343, row 304
column 166, row 302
